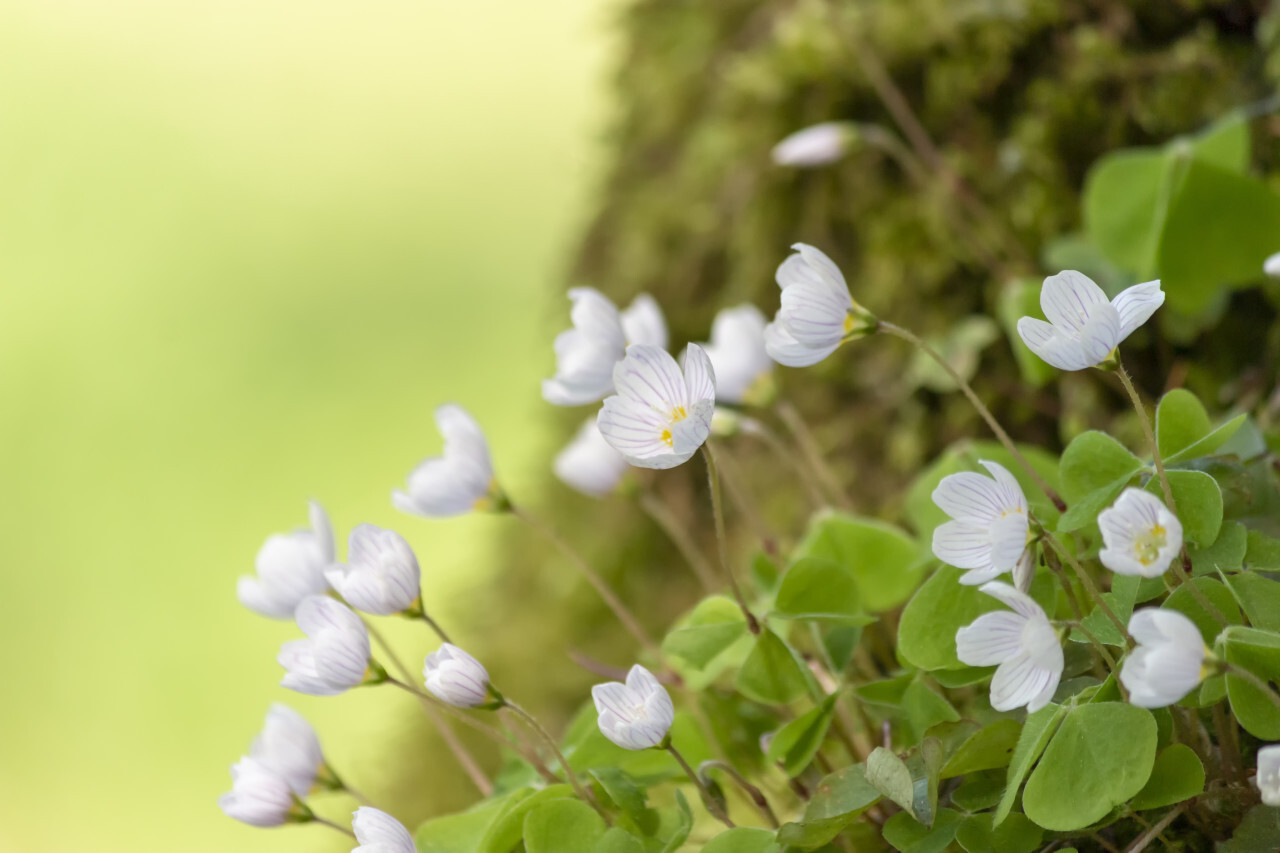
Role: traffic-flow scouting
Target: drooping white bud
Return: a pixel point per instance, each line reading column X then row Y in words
column 288, row 746
column 456, row 677
column 381, row 575
column 334, row 657
column 258, row 796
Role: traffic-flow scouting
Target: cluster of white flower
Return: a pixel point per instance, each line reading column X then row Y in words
column 656, row 412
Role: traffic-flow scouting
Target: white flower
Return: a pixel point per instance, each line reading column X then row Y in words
column 259, row 796
column 288, row 746
column 586, row 354
column 290, row 567
column 818, row 145
column 458, row 481
column 589, row 463
column 635, row 715
column 988, row 535
column 335, row 655
column 817, row 312
column 1168, row 661
column 1022, row 643
column 1083, row 326
column 381, row 575
column 660, row 415
column 1139, row 534
column 456, row 677
column 744, row 371
column 1271, row 266
column 379, row 832
column 1269, row 774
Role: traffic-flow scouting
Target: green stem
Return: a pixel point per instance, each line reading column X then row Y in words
column 665, row 519
column 757, row 797
column 533, row 723
column 707, row 800
column 981, row 407
column 1150, row 835
column 326, row 822
column 602, row 589
column 799, row 464
column 1089, row 585
column 717, row 509
column 812, row 454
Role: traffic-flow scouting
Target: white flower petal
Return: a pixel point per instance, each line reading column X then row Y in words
column 1052, row 346
column 818, row 145
column 814, row 315
column 643, row 323
column 657, row 420
column 1268, row 778
column 335, row 655
column 1020, row 602
column 586, row 354
column 289, row 567
column 699, row 375
column 258, row 797
column 635, row 715
column 590, row 464
column 457, row 480
column 1136, row 304
column 1271, row 266
column 1069, row 299
column 786, row 350
column 991, row 639
column 1167, row 663
column 1140, row 535
column 379, row 832
column 964, row 545
column 455, row 677
column 1021, row 683
column 1008, row 541
column 382, row 575
column 737, row 352
column 969, row 496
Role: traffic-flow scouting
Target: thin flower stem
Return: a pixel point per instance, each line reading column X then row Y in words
column 433, row 625
column 459, row 750
column 1228, row 746
column 326, row 822
column 1089, row 585
column 811, row 453
column 1254, row 680
column 1181, row 569
column 602, row 589
column 1151, row 834
column 707, row 800
column 1073, row 601
column 741, row 501
column 717, row 509
column 981, row 407
column 665, row 519
column 533, row 723
column 757, row 797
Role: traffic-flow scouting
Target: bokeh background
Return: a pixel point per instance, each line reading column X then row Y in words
column 245, row 249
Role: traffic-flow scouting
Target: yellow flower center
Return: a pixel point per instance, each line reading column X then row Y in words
column 1146, row 546
column 849, row 322
column 677, row 414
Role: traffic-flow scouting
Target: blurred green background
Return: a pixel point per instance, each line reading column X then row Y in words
column 245, row 249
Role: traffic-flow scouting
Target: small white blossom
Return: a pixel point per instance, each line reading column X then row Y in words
column 1271, row 266
column 290, row 567
column 589, row 463
column 1139, row 534
column 817, row 312
column 818, row 145
column 586, row 353
column 381, row 574
column 334, row 657
column 1022, row 644
column 289, row 747
column 458, row 481
column 1269, row 774
column 660, row 415
column 988, row 534
column 744, row 371
column 379, row 832
column 455, row 677
column 1083, row 326
column 259, row 796
column 635, row 715
column 1169, row 660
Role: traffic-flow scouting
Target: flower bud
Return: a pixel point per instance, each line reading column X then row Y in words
column 381, row 575
column 334, row 657
column 258, row 796
column 1268, row 779
column 288, row 746
column 289, row 566
column 379, row 832
column 589, row 464
column 456, row 677
column 635, row 715
column 818, row 145
column 458, row 481
column 1168, row 662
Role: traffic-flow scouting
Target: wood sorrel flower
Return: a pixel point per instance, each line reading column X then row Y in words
column 458, row 481
column 635, row 715
column 1269, row 774
column 744, row 371
column 455, row 677
column 379, row 832
column 334, row 657
column 381, row 574
column 660, row 415
column 289, row 747
column 1021, row 643
column 817, row 312
column 1169, row 660
column 589, row 463
column 1139, row 534
column 1083, row 326
column 1271, row 266
column 988, row 534
column 259, row 796
column 586, row 354
column 818, row 145
column 290, row 567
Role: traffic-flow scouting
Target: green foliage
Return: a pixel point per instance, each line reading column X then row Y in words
column 885, row 563
column 796, row 743
column 1100, row 756
column 988, row 748
column 709, row 631
column 816, row 588
column 742, row 839
column 771, row 673
column 908, row 835
column 1210, row 623
column 1257, row 652
column 1016, row 834
column 562, row 826
column 942, row 606
column 1177, row 775
column 1198, row 499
